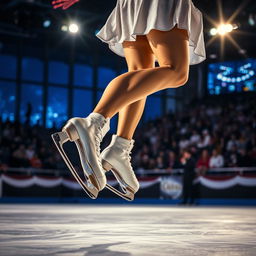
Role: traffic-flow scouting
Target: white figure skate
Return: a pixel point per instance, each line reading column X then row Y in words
column 87, row 133
column 116, row 158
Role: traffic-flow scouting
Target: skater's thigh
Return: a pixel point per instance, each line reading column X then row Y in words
column 138, row 54
column 171, row 48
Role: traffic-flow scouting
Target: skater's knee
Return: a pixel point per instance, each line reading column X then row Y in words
column 179, row 75
column 182, row 76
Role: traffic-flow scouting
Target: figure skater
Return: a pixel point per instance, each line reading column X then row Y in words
column 143, row 31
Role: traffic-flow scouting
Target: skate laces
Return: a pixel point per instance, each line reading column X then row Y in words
column 132, row 175
column 99, row 137
column 129, row 152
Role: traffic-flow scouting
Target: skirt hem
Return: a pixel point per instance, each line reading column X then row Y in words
column 112, row 43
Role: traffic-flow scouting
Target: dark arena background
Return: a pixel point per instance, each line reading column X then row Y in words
column 53, row 67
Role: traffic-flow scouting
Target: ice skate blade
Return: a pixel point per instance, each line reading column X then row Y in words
column 129, row 196
column 128, row 191
column 59, row 139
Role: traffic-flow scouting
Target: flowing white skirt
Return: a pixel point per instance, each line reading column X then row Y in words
column 137, row 17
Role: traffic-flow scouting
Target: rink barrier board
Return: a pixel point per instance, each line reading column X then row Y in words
column 117, row 201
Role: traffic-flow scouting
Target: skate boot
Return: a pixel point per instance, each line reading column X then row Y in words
column 87, row 133
column 116, row 158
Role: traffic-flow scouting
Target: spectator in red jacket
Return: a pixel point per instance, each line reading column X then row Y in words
column 35, row 162
column 203, row 162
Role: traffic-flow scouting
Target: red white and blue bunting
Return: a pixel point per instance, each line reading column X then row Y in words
column 49, row 182
column 171, row 185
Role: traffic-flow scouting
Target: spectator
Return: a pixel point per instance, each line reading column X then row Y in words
column 35, row 162
column 145, row 162
column 232, row 142
column 172, row 160
column 242, row 142
column 216, row 160
column 30, row 151
column 184, row 142
column 203, row 162
column 206, row 124
column 159, row 163
column 188, row 163
column 19, row 156
column 232, row 156
column 194, row 138
column 205, row 140
column 151, row 164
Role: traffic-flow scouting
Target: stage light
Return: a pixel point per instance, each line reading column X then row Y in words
column 235, row 26
column 213, row 56
column 251, row 72
column 213, row 31
column 224, row 29
column 232, row 88
column 251, row 20
column 73, row 28
column 242, row 51
column 64, row 28
column 47, row 23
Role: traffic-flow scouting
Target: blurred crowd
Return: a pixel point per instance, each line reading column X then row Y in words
column 221, row 131
column 22, row 145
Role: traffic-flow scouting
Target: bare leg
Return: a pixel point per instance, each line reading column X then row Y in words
column 171, row 50
column 138, row 56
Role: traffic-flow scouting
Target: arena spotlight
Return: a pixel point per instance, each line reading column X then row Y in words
column 242, row 51
column 64, row 28
column 222, row 29
column 213, row 31
column 47, row 23
column 213, row 56
column 73, row 28
column 252, row 19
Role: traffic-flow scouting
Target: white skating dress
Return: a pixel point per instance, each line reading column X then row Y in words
column 137, row 17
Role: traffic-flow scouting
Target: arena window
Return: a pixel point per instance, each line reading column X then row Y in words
column 7, row 100
column 153, row 107
column 58, row 72
column 32, row 69
column 171, row 104
column 31, row 104
column 83, row 75
column 8, row 65
column 82, row 102
column 57, row 107
column 105, row 75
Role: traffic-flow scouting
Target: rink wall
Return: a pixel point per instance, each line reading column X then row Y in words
column 165, row 189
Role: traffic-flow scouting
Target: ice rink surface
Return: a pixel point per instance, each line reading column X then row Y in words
column 121, row 230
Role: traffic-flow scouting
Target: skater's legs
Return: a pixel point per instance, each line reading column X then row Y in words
column 171, row 49
column 138, row 55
